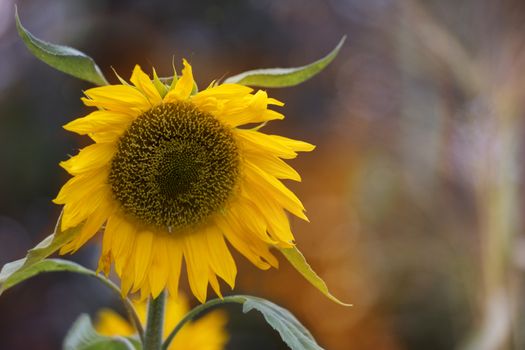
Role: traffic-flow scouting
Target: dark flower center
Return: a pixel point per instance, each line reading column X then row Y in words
column 175, row 166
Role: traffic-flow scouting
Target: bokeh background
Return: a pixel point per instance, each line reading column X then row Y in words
column 414, row 191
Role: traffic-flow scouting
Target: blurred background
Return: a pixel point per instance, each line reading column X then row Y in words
column 414, row 190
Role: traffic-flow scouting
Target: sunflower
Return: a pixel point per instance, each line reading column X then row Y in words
column 206, row 333
column 173, row 175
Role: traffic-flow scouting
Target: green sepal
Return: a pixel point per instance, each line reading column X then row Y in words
column 195, row 89
column 175, row 76
column 298, row 261
column 51, row 244
column 120, row 79
column 83, row 336
column 285, row 77
column 63, row 58
column 159, row 85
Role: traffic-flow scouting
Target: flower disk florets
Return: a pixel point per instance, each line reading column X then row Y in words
column 175, row 165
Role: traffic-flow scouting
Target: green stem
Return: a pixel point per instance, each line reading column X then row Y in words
column 130, row 309
column 155, row 323
column 238, row 299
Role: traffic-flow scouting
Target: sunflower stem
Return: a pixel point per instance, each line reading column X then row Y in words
column 155, row 323
column 238, row 299
column 135, row 321
column 130, row 309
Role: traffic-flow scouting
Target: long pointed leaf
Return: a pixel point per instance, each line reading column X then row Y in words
column 82, row 336
column 298, row 261
column 48, row 246
column 16, row 272
column 285, row 77
column 62, row 58
column 292, row 332
column 46, row 265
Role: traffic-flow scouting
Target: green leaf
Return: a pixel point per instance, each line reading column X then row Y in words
column 15, row 273
column 298, row 261
column 62, row 58
column 46, row 265
column 285, row 77
column 292, row 332
column 82, row 336
column 48, row 246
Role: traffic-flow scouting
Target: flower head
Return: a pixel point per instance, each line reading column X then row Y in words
column 206, row 333
column 173, row 175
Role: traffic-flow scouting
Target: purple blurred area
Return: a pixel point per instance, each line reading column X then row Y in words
column 414, row 191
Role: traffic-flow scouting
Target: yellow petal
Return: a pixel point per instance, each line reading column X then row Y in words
column 251, row 250
column 80, row 186
column 77, row 211
column 89, row 158
column 278, row 224
column 274, row 166
column 254, row 141
column 142, row 256
column 220, row 257
column 207, row 333
column 241, row 245
column 274, row 188
column 175, row 252
column 266, row 208
column 110, row 323
column 214, row 282
column 183, row 87
column 145, row 290
column 248, row 220
column 176, row 308
column 104, row 264
column 296, row 145
column 106, row 136
column 126, row 280
column 253, row 110
column 144, row 84
column 120, row 98
column 93, row 224
column 160, row 267
column 100, row 121
column 121, row 238
column 141, row 308
column 223, row 91
column 195, row 254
